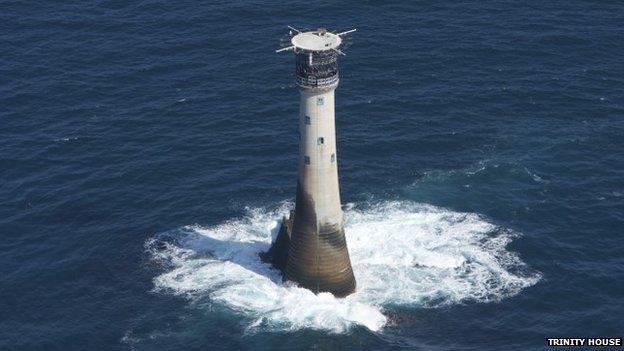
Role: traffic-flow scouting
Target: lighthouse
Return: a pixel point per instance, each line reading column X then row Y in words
column 310, row 248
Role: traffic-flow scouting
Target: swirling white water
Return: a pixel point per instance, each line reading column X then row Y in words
column 403, row 254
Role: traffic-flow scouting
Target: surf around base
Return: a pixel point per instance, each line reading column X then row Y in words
column 404, row 255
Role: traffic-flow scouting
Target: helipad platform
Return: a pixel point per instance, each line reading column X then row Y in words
column 318, row 40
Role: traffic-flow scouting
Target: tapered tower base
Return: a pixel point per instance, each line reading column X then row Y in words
column 319, row 263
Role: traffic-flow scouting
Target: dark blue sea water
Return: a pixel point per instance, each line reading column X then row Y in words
column 148, row 149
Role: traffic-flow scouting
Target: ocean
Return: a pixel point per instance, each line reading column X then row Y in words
column 149, row 149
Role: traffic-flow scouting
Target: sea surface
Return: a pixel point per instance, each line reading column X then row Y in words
column 148, row 150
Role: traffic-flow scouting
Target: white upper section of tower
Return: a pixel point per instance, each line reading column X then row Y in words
column 319, row 40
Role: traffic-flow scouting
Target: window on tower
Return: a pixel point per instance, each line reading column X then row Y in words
column 320, row 141
column 306, row 159
column 333, row 158
column 307, row 119
column 319, row 101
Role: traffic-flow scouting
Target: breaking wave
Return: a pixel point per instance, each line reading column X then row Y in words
column 403, row 254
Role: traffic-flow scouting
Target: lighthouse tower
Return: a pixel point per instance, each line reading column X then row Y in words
column 311, row 249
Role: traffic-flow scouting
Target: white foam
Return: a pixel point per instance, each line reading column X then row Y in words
column 403, row 254
column 66, row 139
